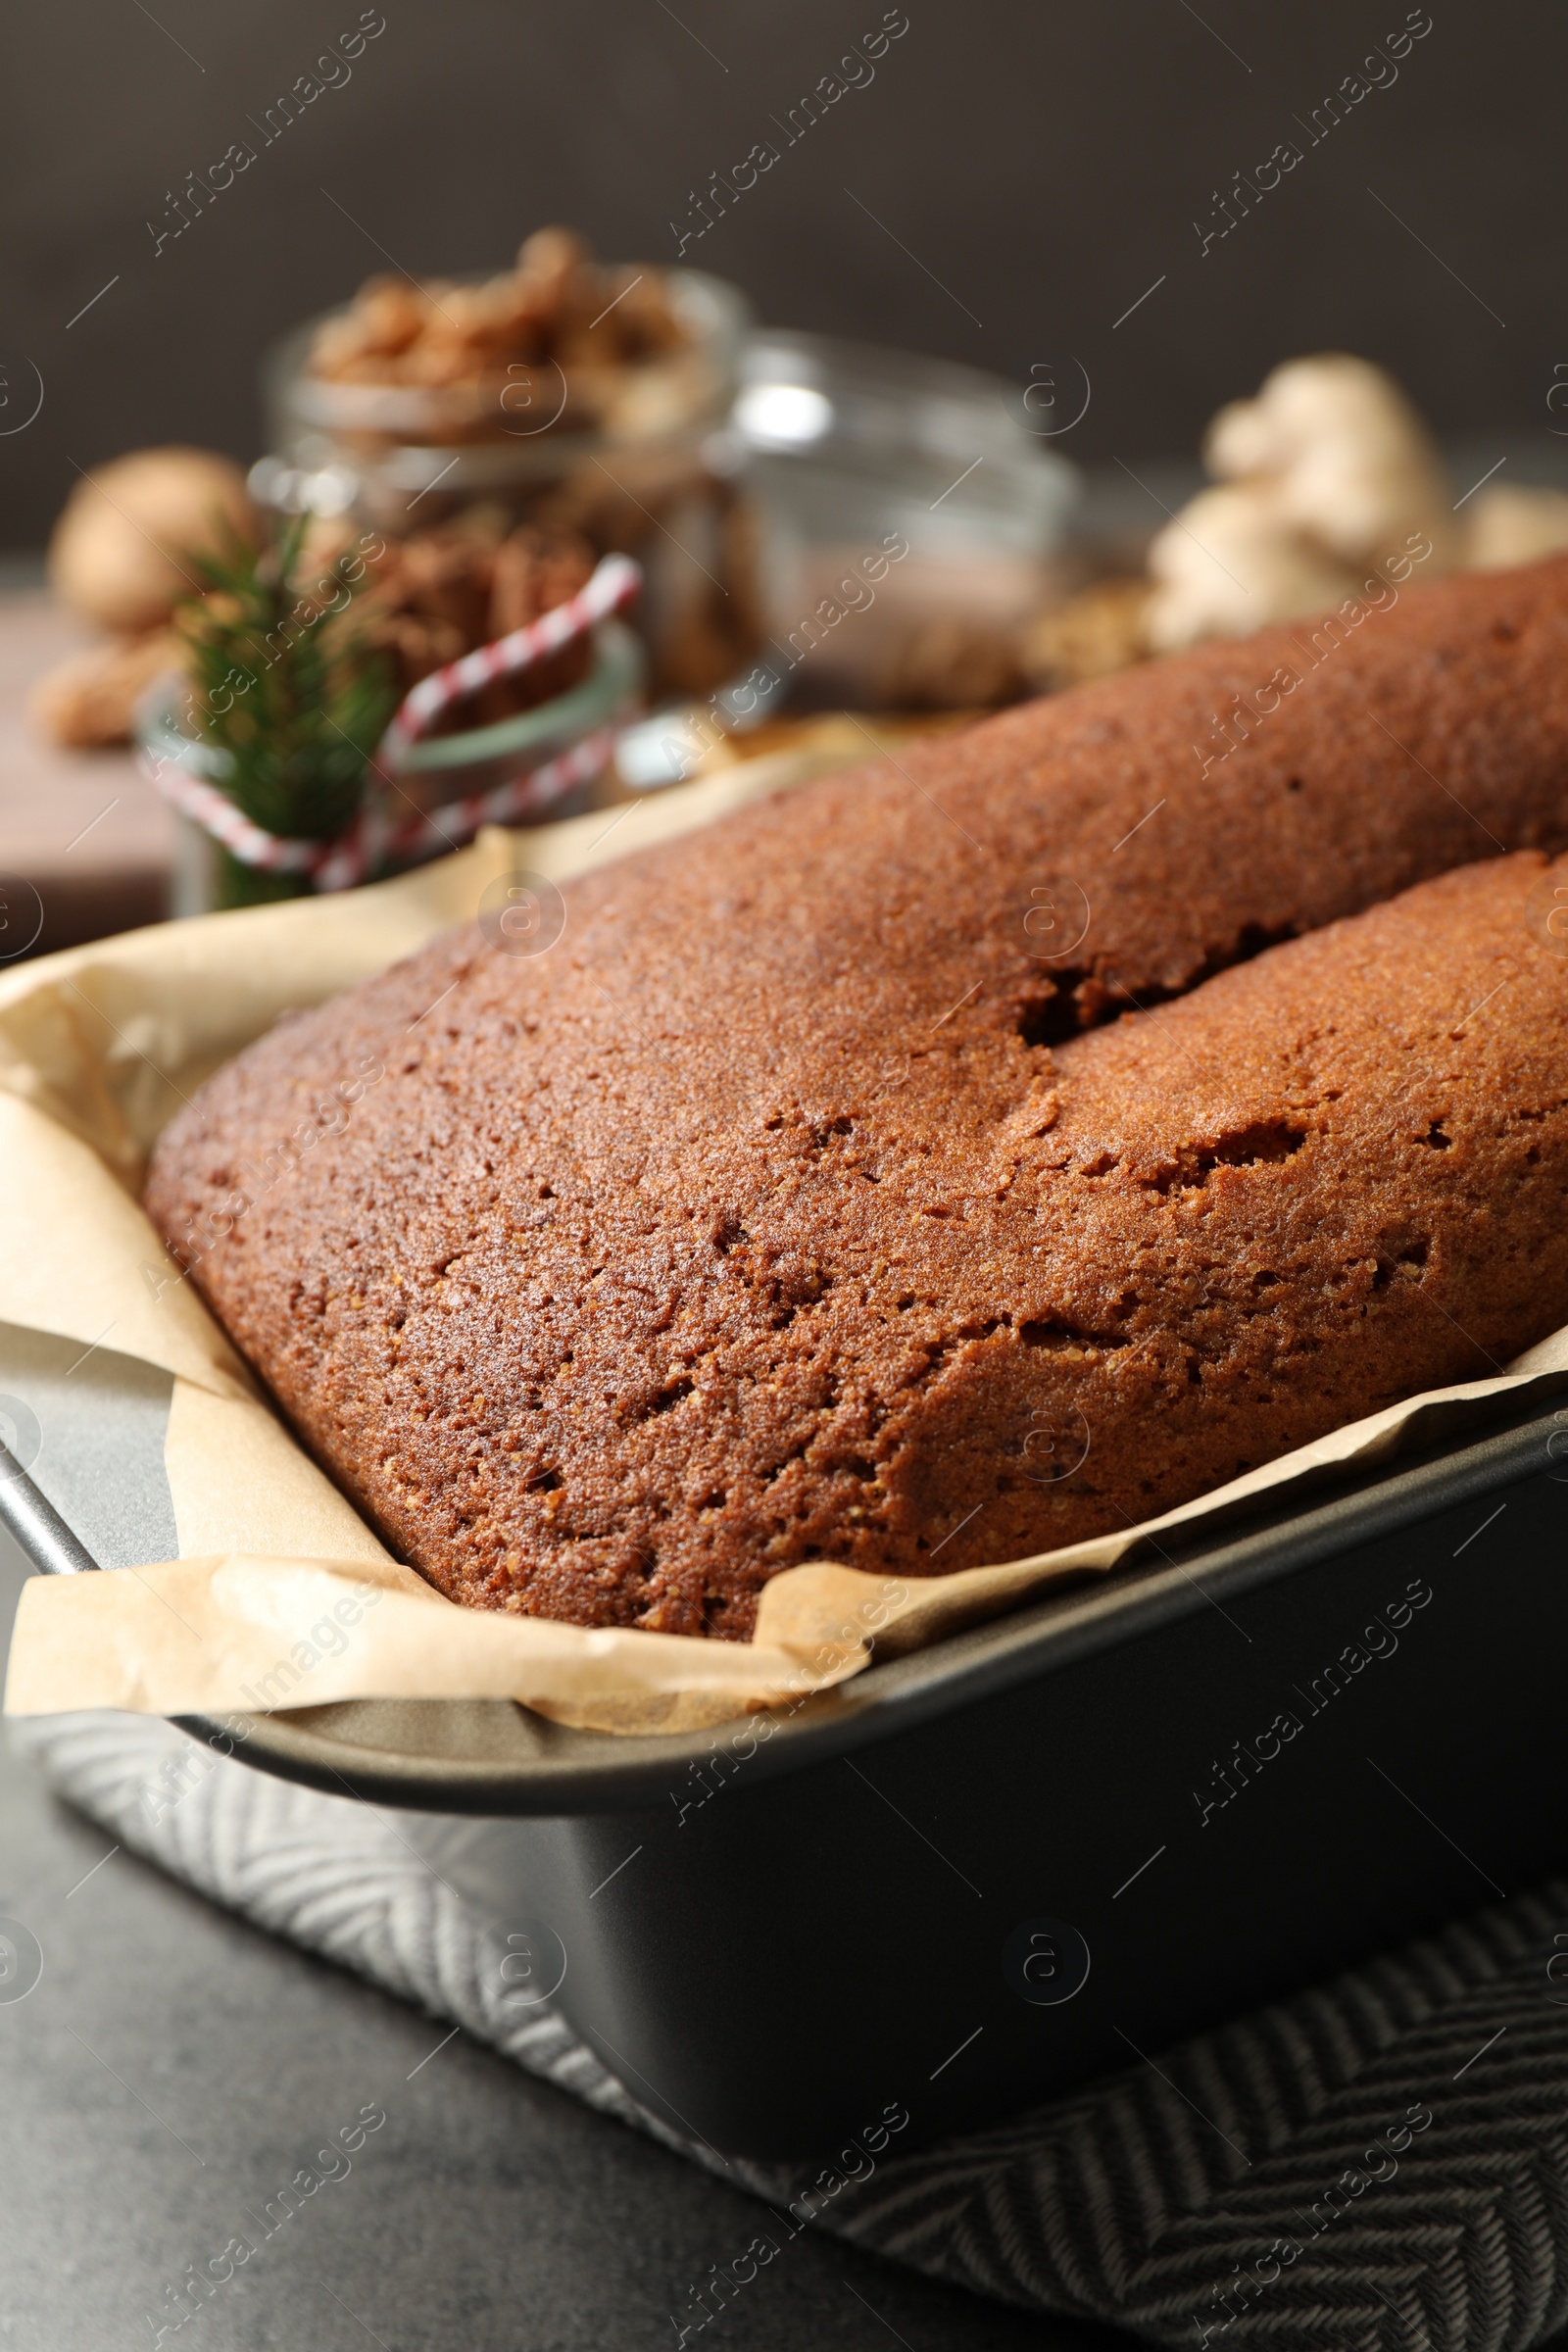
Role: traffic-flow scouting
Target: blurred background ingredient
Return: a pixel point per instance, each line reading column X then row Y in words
column 117, row 552
column 500, row 348
column 1325, row 472
column 120, row 561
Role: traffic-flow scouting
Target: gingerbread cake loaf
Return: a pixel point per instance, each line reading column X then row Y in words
column 938, row 1164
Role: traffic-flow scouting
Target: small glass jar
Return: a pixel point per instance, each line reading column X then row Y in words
column 433, row 774
column 640, row 458
column 915, row 521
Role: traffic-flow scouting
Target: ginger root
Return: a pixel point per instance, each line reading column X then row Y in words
column 1322, row 477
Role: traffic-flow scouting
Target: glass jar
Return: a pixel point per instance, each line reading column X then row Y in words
column 640, row 458
column 913, row 523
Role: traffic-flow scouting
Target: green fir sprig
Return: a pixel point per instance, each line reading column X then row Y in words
column 287, row 686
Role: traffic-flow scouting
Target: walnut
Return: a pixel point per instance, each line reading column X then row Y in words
column 1101, row 629
column 88, row 702
column 120, row 555
column 535, row 570
column 557, row 305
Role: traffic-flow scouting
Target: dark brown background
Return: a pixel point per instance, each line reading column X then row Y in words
column 1045, row 163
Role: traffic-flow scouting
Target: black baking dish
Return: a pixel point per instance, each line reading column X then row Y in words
column 1045, row 1848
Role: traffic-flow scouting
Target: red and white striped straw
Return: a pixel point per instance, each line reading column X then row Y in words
column 372, row 842
column 615, row 580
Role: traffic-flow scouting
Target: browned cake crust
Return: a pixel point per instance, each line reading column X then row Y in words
column 755, row 1223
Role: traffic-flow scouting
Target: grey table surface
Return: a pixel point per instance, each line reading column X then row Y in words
column 172, row 2067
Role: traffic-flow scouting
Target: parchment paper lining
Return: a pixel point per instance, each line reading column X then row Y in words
column 283, row 1595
